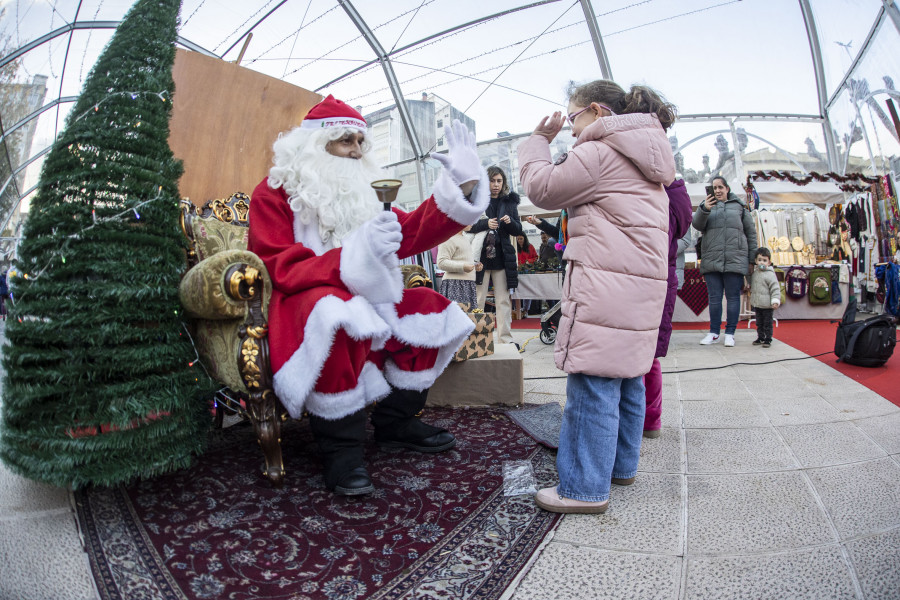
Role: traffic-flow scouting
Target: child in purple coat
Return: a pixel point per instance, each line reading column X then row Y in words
column 680, row 214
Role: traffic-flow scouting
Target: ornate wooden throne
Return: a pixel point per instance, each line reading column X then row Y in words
column 226, row 291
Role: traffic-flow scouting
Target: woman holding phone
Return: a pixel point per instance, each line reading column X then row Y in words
column 728, row 248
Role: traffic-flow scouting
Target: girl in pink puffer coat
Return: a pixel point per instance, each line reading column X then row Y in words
column 611, row 185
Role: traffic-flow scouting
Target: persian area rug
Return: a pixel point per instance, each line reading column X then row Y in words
column 541, row 422
column 438, row 525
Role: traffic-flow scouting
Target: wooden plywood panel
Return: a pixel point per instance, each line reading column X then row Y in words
column 225, row 119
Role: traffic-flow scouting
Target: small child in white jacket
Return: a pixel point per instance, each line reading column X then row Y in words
column 455, row 259
column 765, row 296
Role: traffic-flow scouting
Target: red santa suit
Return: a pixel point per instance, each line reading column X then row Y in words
column 341, row 326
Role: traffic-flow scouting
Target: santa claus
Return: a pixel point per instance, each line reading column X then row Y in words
column 343, row 332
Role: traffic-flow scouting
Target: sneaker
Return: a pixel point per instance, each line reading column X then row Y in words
column 651, row 433
column 758, row 343
column 729, row 341
column 766, row 345
column 551, row 501
column 711, row 338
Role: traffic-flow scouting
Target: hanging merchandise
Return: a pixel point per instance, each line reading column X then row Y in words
column 862, row 216
column 779, row 274
column 835, row 284
column 888, row 274
column 820, row 286
column 752, row 196
column 796, row 283
column 851, row 215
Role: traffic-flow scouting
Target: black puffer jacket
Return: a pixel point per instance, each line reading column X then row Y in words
column 497, row 209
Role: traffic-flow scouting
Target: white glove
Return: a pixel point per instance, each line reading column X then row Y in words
column 384, row 235
column 461, row 160
column 369, row 262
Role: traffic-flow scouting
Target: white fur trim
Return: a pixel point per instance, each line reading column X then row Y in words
column 445, row 330
column 295, row 380
column 348, row 122
column 434, row 330
column 450, row 200
column 370, row 388
column 365, row 275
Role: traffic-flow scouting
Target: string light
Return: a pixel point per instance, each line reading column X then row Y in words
column 77, row 235
column 134, row 95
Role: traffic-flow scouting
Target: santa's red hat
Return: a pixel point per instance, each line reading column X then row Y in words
column 331, row 112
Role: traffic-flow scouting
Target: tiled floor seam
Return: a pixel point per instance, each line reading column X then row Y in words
column 790, row 470
column 37, row 514
column 630, row 551
column 868, row 437
column 871, row 534
column 682, row 580
column 845, row 554
column 768, row 553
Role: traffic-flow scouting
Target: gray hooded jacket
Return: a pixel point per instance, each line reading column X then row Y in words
column 728, row 244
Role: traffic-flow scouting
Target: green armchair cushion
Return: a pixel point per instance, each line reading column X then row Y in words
column 212, row 236
column 202, row 290
column 218, row 344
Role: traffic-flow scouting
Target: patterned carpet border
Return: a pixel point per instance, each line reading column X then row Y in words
column 438, row 526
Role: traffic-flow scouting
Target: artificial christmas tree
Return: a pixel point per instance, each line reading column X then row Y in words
column 101, row 381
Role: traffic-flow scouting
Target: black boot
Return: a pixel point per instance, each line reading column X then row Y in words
column 341, row 448
column 397, row 426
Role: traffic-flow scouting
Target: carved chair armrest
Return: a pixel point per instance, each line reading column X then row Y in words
column 225, row 285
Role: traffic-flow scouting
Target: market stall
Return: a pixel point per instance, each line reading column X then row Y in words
column 692, row 305
column 539, row 286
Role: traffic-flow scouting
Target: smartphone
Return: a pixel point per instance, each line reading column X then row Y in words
column 709, row 191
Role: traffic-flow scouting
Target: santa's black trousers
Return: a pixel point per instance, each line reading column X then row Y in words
column 340, row 444
column 396, row 409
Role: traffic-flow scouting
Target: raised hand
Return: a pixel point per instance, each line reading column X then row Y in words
column 549, row 127
column 461, row 160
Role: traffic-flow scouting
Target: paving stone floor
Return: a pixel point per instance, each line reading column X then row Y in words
column 768, row 482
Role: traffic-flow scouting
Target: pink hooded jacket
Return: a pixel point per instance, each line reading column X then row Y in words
column 611, row 184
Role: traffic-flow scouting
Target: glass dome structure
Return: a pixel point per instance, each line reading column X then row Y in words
column 798, row 85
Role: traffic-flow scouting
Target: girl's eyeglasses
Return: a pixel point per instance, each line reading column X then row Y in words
column 574, row 115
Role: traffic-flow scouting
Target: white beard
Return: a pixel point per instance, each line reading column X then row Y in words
column 331, row 192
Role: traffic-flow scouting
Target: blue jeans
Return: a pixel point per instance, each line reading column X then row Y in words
column 600, row 436
column 731, row 284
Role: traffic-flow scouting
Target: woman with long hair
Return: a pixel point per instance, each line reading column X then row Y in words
column 496, row 250
column 728, row 248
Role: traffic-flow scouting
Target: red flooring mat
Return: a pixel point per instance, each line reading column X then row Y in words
column 811, row 337
column 815, row 337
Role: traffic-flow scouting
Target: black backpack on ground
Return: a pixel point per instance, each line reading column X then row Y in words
column 868, row 343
